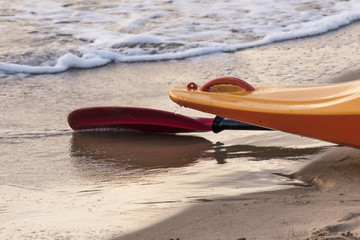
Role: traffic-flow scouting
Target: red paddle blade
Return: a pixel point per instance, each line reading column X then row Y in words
column 137, row 119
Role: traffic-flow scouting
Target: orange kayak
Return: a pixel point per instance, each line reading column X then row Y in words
column 327, row 112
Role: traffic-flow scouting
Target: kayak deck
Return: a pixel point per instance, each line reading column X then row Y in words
column 327, row 112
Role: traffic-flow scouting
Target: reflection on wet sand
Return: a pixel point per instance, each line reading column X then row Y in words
column 259, row 153
column 127, row 153
column 129, row 150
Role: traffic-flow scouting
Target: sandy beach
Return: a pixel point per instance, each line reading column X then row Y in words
column 325, row 207
column 59, row 184
column 327, row 203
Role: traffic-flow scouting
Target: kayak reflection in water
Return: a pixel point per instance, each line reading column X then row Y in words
column 138, row 150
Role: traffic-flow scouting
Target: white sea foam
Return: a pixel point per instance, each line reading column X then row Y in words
column 58, row 36
column 63, row 63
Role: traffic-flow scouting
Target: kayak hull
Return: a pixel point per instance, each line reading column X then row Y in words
column 333, row 118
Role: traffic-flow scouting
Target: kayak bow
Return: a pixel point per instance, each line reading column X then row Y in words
column 326, row 112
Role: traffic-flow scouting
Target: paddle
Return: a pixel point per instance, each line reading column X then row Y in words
column 149, row 120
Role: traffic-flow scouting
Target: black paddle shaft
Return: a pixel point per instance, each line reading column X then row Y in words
column 220, row 124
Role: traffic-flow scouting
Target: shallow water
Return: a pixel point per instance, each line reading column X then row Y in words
column 54, row 36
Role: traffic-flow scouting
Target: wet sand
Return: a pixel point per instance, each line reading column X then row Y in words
column 326, row 205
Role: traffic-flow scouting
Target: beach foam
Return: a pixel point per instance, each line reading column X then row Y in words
column 60, row 36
